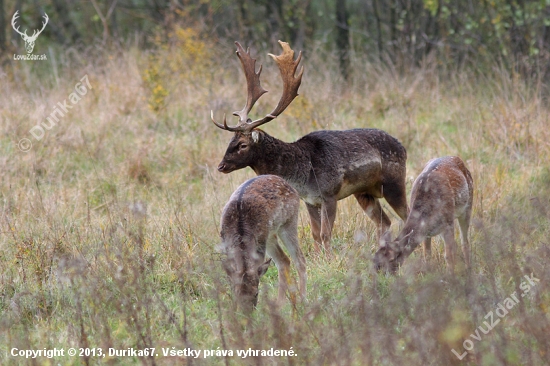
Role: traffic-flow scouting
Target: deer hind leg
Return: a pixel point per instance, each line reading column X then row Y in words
column 396, row 196
column 283, row 265
column 289, row 236
column 315, row 220
column 450, row 247
column 374, row 211
column 464, row 223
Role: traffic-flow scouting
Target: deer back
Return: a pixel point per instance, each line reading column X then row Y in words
column 322, row 163
column 441, row 193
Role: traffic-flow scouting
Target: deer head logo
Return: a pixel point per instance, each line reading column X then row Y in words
column 29, row 41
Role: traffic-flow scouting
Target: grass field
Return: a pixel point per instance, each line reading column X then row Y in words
column 108, row 224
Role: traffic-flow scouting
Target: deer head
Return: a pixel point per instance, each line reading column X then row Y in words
column 241, row 148
column 387, row 258
column 244, row 268
column 29, row 41
column 390, row 255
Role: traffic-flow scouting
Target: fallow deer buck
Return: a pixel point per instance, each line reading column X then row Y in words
column 441, row 193
column 323, row 166
column 261, row 210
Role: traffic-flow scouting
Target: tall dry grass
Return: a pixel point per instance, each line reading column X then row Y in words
column 109, row 223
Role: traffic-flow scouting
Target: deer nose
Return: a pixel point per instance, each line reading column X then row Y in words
column 221, row 167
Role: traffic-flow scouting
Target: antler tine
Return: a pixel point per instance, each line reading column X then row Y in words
column 291, row 83
column 224, row 126
column 46, row 18
column 255, row 90
column 13, row 19
column 36, row 33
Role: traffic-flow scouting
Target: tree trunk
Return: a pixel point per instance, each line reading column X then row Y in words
column 114, row 24
column 276, row 22
column 2, row 27
column 393, row 30
column 105, row 18
column 244, row 24
column 378, row 29
column 342, row 37
column 301, row 19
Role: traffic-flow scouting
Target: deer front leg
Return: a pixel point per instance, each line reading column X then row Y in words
column 328, row 215
column 315, row 220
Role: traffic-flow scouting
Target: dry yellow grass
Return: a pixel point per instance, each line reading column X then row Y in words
column 108, row 224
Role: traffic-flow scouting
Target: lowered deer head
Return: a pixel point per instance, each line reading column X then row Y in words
column 441, row 193
column 323, row 166
column 261, row 211
column 29, row 41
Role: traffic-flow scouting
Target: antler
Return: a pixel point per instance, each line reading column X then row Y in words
column 291, row 83
column 13, row 19
column 24, row 34
column 34, row 34
column 255, row 90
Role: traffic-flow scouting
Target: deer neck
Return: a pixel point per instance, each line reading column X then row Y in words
column 410, row 237
column 286, row 160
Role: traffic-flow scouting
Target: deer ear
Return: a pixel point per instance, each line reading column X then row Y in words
column 385, row 239
column 255, row 136
column 223, row 247
column 263, row 268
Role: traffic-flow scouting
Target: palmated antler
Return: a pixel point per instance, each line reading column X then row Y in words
column 255, row 90
column 287, row 67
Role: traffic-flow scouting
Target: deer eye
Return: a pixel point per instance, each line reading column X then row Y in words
column 243, row 146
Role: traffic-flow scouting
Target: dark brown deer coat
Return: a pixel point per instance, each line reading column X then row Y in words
column 327, row 166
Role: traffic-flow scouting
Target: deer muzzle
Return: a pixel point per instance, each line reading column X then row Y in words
column 224, row 168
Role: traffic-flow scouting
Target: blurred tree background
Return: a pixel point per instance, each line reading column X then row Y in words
column 512, row 33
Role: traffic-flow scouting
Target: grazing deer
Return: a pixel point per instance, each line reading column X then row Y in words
column 323, row 166
column 441, row 193
column 259, row 211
